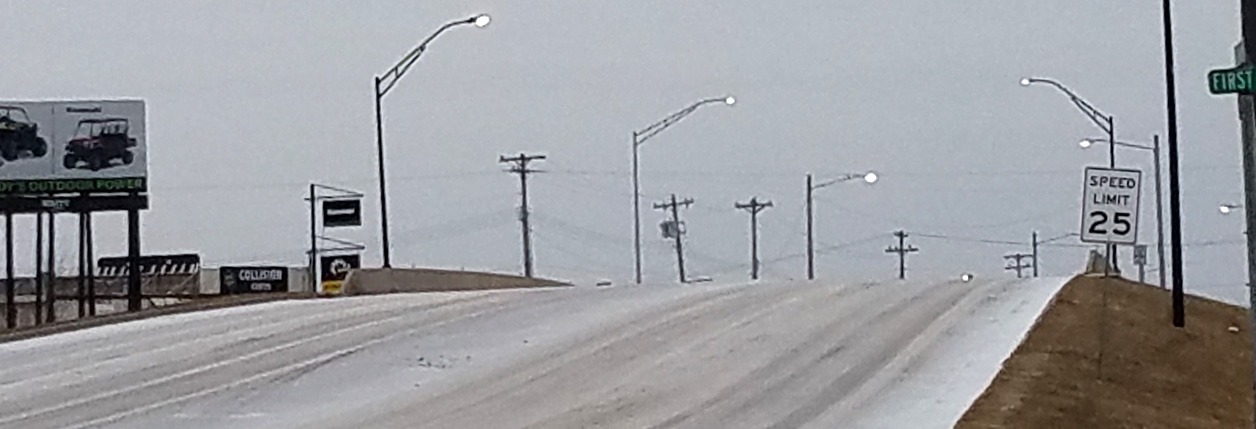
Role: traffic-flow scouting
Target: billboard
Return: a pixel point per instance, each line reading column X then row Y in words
column 236, row 280
column 73, row 146
column 335, row 268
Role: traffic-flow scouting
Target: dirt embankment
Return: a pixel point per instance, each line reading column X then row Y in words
column 1126, row 366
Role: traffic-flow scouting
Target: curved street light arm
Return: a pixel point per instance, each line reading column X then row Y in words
column 840, row 179
column 1071, row 234
column 1104, row 122
column 393, row 75
column 658, row 127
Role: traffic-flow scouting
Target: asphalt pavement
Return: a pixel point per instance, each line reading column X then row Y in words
column 766, row 355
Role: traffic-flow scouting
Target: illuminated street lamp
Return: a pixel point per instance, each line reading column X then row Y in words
column 1103, row 121
column 385, row 83
column 638, row 138
column 1228, row 208
column 869, row 177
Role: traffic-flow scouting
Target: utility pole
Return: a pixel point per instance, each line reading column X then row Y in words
column 754, row 207
column 674, row 229
column 1016, row 263
column 1035, row 261
column 902, row 250
column 520, row 166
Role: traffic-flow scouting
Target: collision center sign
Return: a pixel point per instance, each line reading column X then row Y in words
column 1110, row 200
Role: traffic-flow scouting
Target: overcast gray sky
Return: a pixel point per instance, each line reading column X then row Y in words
column 249, row 101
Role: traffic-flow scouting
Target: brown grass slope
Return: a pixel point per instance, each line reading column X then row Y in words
column 1152, row 375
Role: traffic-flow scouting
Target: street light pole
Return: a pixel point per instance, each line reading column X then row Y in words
column 810, row 240
column 385, row 83
column 639, row 138
column 1159, row 212
column 868, row 177
column 1102, row 121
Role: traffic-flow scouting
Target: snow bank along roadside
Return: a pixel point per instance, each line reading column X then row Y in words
column 938, row 387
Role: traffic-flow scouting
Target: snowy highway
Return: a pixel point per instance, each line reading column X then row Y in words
column 789, row 354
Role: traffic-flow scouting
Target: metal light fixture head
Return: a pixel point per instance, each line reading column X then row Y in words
column 1025, row 81
column 482, row 20
column 1086, row 143
column 871, row 177
column 730, row 100
column 966, row 277
column 1226, row 209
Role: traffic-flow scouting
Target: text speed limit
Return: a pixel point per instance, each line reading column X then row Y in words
column 1110, row 201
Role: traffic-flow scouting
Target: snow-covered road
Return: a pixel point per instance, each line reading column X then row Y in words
column 899, row 354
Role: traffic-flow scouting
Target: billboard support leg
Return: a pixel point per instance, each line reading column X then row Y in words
column 52, row 267
column 133, row 298
column 81, row 292
column 10, row 308
column 91, row 264
column 39, row 268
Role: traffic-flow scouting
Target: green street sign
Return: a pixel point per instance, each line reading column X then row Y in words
column 1240, row 80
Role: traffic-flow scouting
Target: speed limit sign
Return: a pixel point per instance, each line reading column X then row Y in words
column 1110, row 200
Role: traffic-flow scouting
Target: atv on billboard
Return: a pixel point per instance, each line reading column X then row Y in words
column 73, row 146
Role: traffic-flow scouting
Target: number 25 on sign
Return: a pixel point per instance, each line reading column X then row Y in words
column 1110, row 199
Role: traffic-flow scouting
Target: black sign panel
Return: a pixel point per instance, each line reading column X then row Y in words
column 336, row 267
column 74, row 204
column 338, row 213
column 234, row 280
column 180, row 264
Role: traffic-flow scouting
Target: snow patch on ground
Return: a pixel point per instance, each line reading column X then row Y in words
column 961, row 364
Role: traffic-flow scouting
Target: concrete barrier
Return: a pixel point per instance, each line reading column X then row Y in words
column 384, row 280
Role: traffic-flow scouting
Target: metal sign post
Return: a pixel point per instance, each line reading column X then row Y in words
column 1140, row 259
column 1247, row 121
column 340, row 208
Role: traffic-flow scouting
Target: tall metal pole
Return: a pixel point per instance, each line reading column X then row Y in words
column 1175, row 204
column 52, row 267
column 1035, row 241
column 39, row 268
column 811, row 256
column 10, row 306
column 313, row 238
column 91, row 265
column 134, row 296
column 82, row 268
column 1155, row 150
column 1112, row 248
column 636, row 207
column 1247, row 120
column 383, row 191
